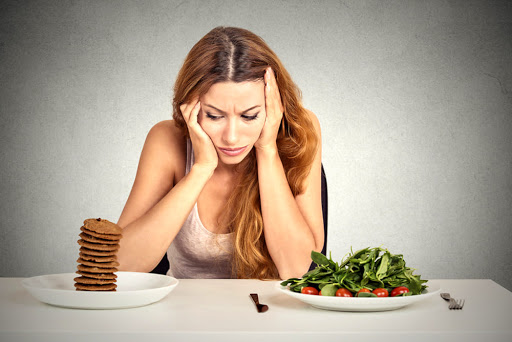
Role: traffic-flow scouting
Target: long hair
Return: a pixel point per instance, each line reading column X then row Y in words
column 237, row 55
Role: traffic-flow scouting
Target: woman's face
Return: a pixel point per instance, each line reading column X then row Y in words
column 233, row 115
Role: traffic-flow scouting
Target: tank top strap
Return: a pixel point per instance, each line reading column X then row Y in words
column 190, row 156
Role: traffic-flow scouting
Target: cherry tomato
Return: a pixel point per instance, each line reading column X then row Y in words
column 399, row 290
column 380, row 292
column 364, row 290
column 309, row 290
column 344, row 293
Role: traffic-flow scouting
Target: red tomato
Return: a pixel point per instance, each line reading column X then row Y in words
column 380, row 292
column 364, row 290
column 399, row 290
column 309, row 290
column 344, row 293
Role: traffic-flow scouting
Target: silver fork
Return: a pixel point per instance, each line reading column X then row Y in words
column 454, row 304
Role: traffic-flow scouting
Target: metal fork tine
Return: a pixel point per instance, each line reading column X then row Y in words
column 454, row 304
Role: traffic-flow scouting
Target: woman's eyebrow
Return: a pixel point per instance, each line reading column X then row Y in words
column 223, row 112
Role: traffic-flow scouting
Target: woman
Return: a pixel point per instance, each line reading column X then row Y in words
column 231, row 187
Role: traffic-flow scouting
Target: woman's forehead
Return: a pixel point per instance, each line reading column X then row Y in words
column 241, row 94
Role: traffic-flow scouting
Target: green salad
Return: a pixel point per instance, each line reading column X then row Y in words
column 369, row 272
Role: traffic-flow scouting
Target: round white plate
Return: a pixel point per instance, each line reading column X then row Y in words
column 361, row 303
column 133, row 289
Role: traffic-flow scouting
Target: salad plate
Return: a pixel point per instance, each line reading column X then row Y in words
column 134, row 289
column 361, row 303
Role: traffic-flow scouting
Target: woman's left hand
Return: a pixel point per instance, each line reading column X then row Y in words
column 274, row 111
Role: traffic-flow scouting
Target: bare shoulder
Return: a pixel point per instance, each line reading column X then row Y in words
column 166, row 141
column 166, row 134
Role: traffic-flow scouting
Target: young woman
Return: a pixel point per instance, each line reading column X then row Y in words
column 231, row 187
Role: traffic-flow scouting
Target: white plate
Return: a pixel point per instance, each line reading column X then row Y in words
column 361, row 303
column 133, row 289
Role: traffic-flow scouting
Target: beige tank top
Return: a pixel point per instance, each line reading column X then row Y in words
column 196, row 252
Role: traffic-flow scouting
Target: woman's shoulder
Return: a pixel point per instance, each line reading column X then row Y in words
column 166, row 133
column 314, row 120
column 168, row 142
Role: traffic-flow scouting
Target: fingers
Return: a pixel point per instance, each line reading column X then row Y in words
column 272, row 91
column 190, row 111
column 195, row 113
column 204, row 150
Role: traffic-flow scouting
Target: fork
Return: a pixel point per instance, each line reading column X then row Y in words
column 454, row 304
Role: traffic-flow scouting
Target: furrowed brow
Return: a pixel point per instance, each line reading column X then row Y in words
column 224, row 113
column 217, row 109
column 249, row 109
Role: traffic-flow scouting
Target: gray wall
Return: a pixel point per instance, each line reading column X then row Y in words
column 414, row 99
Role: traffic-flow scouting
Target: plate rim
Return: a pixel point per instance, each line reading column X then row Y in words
column 70, row 298
column 26, row 282
column 347, row 303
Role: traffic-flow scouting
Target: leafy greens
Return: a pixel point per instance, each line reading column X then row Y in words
column 368, row 268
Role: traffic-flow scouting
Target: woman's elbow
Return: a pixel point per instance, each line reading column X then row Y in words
column 297, row 269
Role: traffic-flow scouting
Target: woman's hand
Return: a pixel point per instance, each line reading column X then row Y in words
column 274, row 110
column 204, row 150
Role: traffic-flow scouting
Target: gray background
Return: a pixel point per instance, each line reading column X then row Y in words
column 414, row 99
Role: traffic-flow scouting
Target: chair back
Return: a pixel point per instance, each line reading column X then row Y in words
column 324, row 213
column 324, row 208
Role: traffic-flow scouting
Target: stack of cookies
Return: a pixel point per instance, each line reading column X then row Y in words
column 99, row 244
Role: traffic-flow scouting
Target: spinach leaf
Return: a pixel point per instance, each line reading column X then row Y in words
column 370, row 268
column 329, row 290
column 319, row 258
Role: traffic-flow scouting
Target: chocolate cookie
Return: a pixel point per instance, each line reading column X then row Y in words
column 93, row 269
column 94, row 287
column 98, row 264
column 113, row 237
column 98, row 253
column 98, row 246
column 97, row 275
column 102, row 226
column 93, row 281
column 93, row 239
column 98, row 258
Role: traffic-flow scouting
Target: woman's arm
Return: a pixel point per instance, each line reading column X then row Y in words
column 293, row 226
column 157, row 207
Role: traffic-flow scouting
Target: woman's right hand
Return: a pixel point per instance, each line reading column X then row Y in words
column 205, row 153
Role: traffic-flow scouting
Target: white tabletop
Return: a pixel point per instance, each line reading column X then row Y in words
column 221, row 310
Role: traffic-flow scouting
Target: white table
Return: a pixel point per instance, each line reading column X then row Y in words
column 221, row 310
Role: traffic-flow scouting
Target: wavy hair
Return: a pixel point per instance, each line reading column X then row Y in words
column 230, row 54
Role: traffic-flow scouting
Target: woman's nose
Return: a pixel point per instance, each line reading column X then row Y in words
column 231, row 133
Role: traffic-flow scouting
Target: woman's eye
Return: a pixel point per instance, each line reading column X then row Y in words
column 250, row 117
column 211, row 116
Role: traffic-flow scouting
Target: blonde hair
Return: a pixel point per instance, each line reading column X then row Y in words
column 238, row 55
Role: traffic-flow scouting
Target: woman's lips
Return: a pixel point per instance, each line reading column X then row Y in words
column 232, row 152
